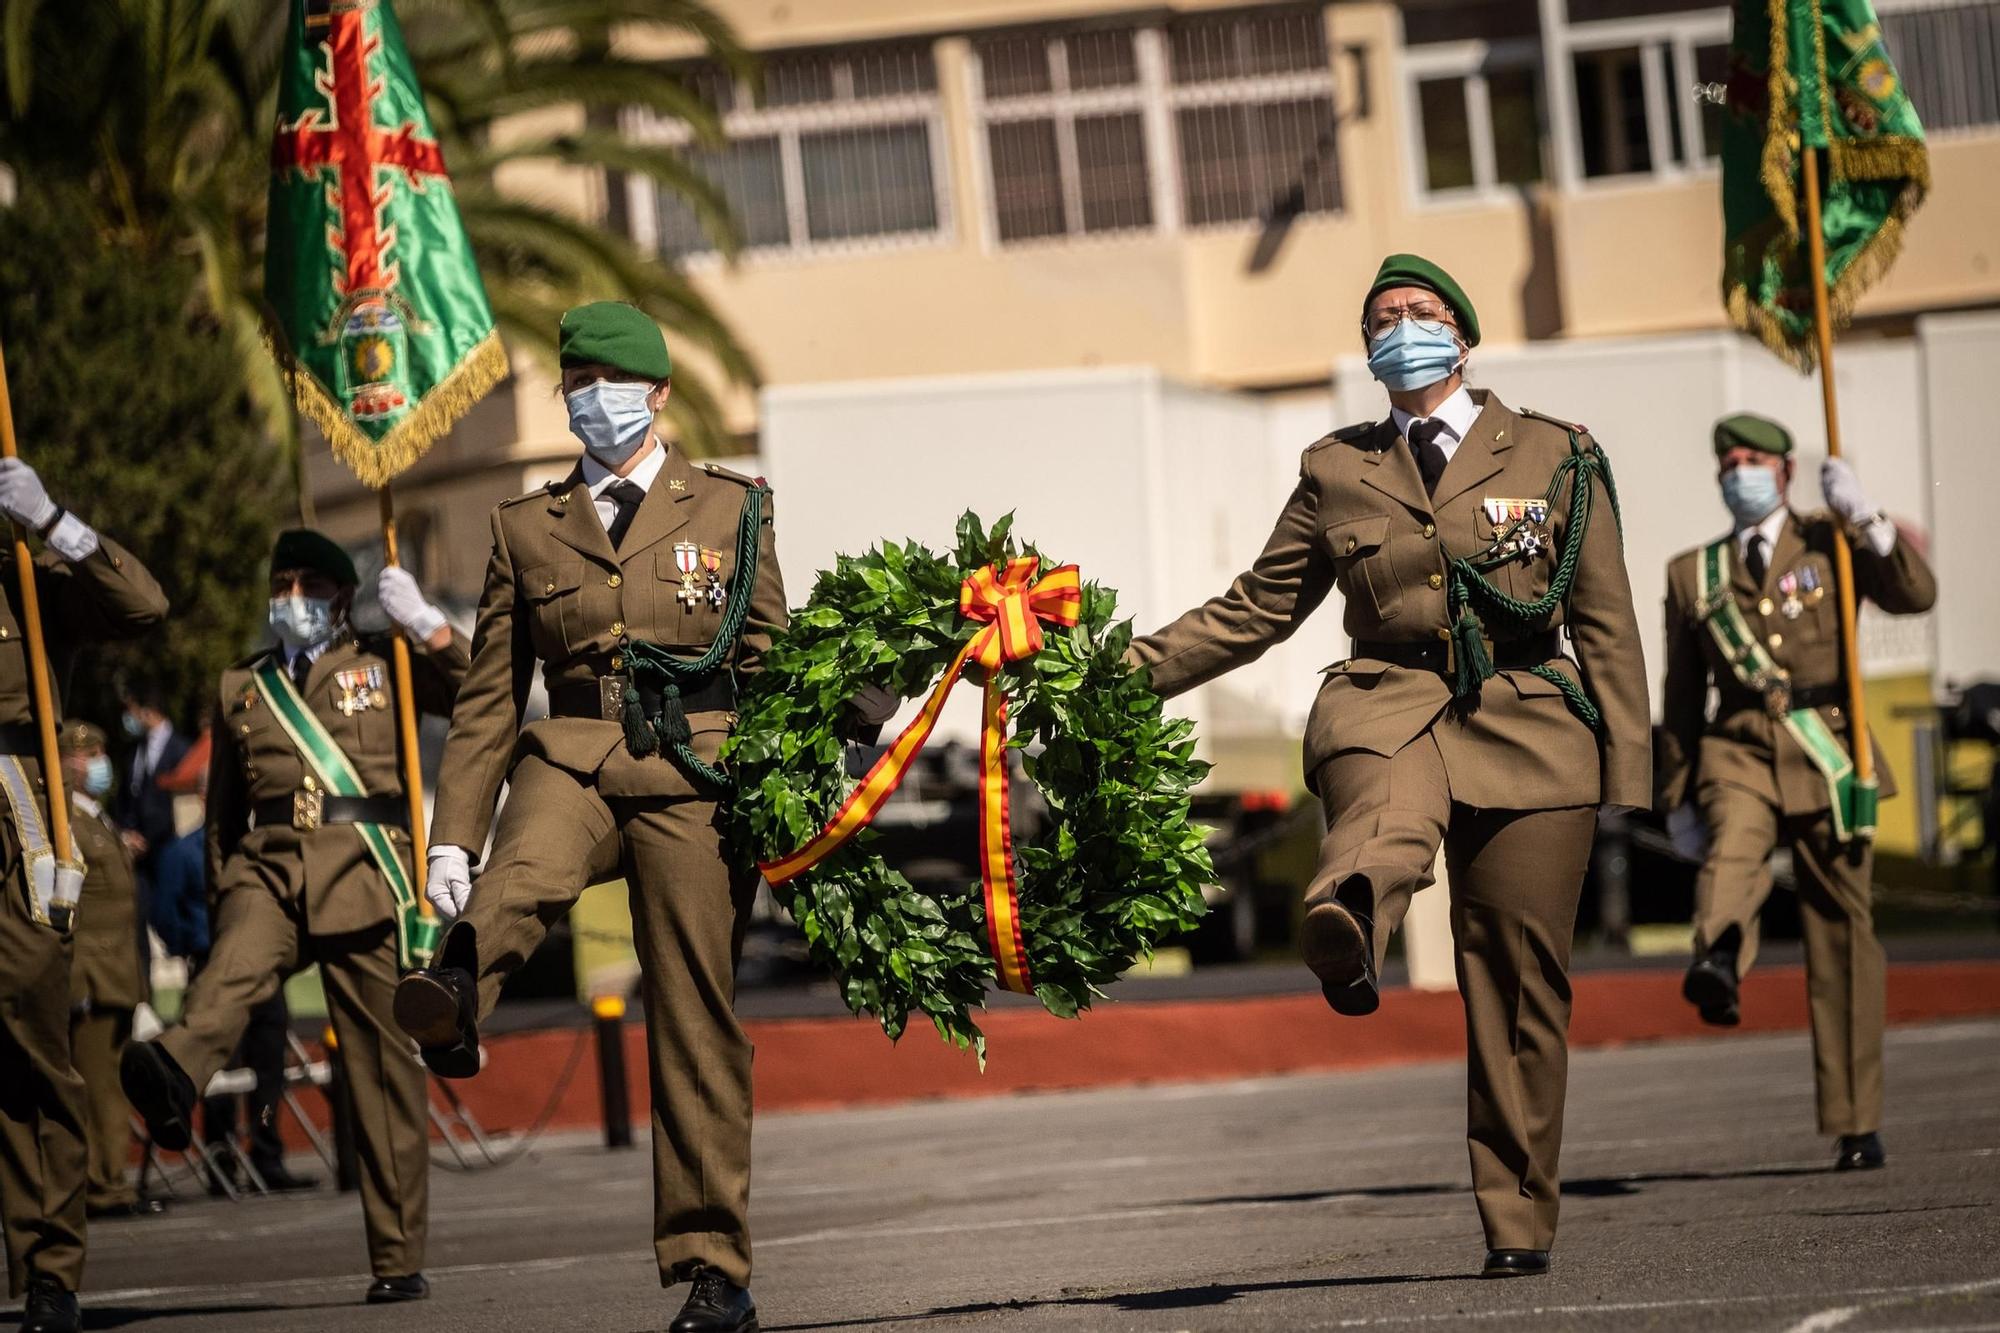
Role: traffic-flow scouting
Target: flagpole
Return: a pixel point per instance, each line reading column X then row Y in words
column 1843, row 558
column 38, row 653
column 406, row 714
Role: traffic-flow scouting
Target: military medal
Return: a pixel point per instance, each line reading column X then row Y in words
column 687, row 559
column 712, row 562
column 360, row 690
column 1791, row 608
column 1500, row 511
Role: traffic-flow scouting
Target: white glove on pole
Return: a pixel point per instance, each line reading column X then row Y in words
column 449, row 885
column 404, row 602
column 1844, row 496
column 23, row 498
column 1690, row 834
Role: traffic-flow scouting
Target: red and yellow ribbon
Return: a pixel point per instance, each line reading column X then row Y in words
column 1011, row 607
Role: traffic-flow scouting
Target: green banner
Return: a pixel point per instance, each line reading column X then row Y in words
column 417, row 931
column 381, row 316
column 1812, row 72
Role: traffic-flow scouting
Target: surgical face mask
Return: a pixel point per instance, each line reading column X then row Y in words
column 301, row 622
column 1751, row 492
column 1413, row 355
column 612, row 419
column 135, row 726
column 97, row 775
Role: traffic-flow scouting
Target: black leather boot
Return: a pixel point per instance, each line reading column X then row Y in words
column 1710, row 985
column 161, row 1092
column 1336, row 940
column 1860, row 1152
column 716, row 1305
column 51, row 1307
column 1515, row 1263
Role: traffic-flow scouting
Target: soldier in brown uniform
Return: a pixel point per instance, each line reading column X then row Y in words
column 306, row 872
column 106, row 980
column 638, row 555
column 90, row 590
column 1735, row 785
column 1453, row 722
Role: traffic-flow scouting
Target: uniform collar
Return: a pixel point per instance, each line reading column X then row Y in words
column 1767, row 527
column 1457, row 412
column 88, row 804
column 599, row 478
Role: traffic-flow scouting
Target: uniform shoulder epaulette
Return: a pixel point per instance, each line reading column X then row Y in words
column 716, row 470
column 1354, row 434
column 547, row 490
column 1576, row 426
column 252, row 659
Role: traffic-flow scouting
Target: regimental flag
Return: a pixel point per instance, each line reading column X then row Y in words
column 381, row 317
column 1812, row 72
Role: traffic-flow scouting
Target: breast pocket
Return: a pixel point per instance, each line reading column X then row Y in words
column 554, row 594
column 1362, row 565
column 688, row 608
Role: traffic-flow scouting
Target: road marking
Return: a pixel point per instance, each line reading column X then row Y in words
column 1893, row 1295
column 216, row 1290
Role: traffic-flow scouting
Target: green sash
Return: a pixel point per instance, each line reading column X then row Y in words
column 417, row 931
column 1852, row 802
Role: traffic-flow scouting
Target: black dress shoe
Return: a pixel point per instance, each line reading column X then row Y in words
column 160, row 1091
column 1710, row 986
column 1515, row 1263
column 1335, row 942
column 113, row 1212
column 280, row 1181
column 439, row 1008
column 1860, row 1152
column 391, row 1290
column 716, row 1305
column 51, row 1308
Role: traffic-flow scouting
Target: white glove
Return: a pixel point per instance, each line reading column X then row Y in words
column 449, row 885
column 1843, row 495
column 146, row 1024
column 404, row 602
column 1689, row 832
column 23, row 498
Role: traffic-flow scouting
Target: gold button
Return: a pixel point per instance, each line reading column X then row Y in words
column 1445, row 634
column 1430, row 530
column 617, row 661
column 117, row 562
column 3, row 631
column 614, row 581
column 617, row 627
column 551, row 587
column 1437, row 580
column 1765, row 607
column 1350, row 545
column 1777, row 640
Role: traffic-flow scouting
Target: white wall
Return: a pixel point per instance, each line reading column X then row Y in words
column 1961, row 385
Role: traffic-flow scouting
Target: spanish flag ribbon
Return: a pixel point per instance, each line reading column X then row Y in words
column 1010, row 606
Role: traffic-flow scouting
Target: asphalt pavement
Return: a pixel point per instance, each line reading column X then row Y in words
column 1696, row 1197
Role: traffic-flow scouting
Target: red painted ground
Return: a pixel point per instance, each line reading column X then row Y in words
column 818, row 1063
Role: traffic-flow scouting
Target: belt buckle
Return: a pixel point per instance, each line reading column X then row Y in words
column 1777, row 695
column 611, row 698
column 308, row 809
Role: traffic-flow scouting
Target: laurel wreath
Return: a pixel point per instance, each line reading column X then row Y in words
column 1117, row 868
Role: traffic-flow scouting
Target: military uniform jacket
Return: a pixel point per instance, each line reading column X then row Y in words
column 107, row 596
column 1359, row 520
column 327, row 871
column 556, row 592
column 105, row 968
column 1743, row 746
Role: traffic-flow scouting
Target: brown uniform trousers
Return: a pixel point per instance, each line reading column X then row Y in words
column 1755, row 786
column 43, row 1159
column 582, row 809
column 106, row 985
column 1509, row 787
column 287, row 898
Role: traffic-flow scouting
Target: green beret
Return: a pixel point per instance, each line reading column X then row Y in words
column 1416, row 271
column 1748, row 431
column 302, row 548
column 611, row 333
column 77, row 736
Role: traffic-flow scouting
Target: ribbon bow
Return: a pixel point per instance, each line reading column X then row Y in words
column 1011, row 607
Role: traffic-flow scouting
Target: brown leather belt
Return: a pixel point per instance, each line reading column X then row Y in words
column 1808, row 696
column 1435, row 654
column 308, row 810
column 592, row 699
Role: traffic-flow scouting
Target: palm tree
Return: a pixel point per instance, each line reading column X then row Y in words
column 152, row 120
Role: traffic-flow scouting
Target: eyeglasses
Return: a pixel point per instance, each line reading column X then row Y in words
column 1427, row 315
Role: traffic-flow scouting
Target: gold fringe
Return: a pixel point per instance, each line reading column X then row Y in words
column 377, row 462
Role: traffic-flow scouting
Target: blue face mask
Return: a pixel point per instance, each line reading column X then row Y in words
column 1751, row 492
column 97, row 775
column 301, row 622
column 135, row 726
column 1413, row 356
column 611, row 418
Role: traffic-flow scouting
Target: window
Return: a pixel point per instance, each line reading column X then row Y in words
column 1949, row 58
column 1065, row 135
column 1253, row 114
column 1611, row 118
column 1635, row 80
column 829, row 147
column 1196, row 121
column 1478, row 109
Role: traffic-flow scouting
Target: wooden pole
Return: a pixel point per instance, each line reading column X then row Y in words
column 38, row 653
column 1843, row 559
column 406, row 718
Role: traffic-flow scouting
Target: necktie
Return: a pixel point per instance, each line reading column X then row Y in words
column 1757, row 561
column 1430, row 454
column 301, row 668
column 626, row 495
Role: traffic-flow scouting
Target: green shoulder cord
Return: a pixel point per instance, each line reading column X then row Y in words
column 668, row 729
column 1516, row 619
